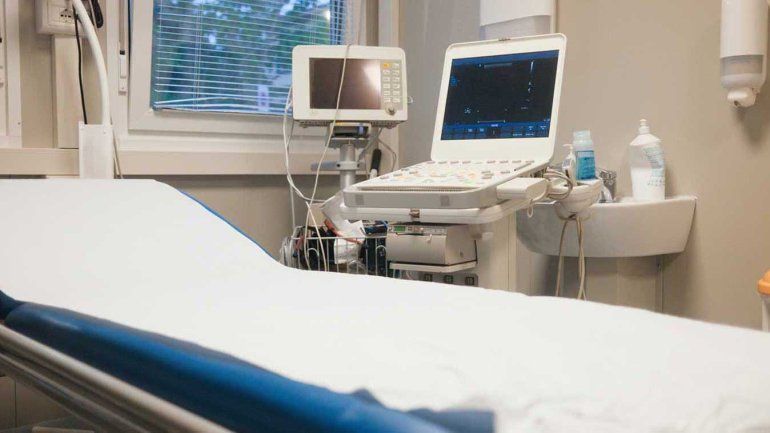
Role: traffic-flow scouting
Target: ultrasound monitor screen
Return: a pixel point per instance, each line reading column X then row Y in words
column 360, row 89
column 504, row 96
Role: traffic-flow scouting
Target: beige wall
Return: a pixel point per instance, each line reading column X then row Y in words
column 258, row 205
column 629, row 59
column 659, row 59
column 36, row 81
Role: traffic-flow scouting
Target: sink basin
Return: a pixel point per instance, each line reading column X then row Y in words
column 624, row 229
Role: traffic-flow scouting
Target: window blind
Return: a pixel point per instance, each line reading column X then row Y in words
column 234, row 55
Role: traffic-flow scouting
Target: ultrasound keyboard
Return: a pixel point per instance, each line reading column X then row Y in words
column 457, row 175
column 450, row 184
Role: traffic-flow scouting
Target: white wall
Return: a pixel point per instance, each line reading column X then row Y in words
column 428, row 27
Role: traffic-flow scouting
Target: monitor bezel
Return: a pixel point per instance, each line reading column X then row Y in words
column 529, row 148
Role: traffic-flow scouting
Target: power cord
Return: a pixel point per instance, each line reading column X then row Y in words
column 80, row 69
column 96, row 14
column 552, row 176
column 323, row 157
column 582, row 291
column 287, row 137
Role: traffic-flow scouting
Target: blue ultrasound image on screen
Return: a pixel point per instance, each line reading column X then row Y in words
column 505, row 96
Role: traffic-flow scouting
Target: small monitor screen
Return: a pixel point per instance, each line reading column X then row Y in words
column 360, row 89
column 504, row 96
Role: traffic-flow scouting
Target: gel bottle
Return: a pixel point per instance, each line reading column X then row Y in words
column 584, row 155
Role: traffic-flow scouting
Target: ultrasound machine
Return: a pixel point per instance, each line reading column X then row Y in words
column 495, row 127
column 450, row 219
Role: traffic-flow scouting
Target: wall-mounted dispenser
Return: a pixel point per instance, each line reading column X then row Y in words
column 744, row 49
column 515, row 18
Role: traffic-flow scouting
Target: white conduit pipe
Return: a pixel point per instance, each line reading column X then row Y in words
column 96, row 50
column 97, row 154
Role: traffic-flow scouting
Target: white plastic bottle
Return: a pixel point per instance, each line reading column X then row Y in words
column 648, row 168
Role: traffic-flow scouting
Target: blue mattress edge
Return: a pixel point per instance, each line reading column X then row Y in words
column 248, row 398
column 7, row 305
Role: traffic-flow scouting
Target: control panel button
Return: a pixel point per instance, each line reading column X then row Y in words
column 386, row 79
column 386, row 72
column 386, row 85
column 396, row 100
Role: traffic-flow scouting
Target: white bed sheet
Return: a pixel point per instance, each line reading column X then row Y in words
column 142, row 254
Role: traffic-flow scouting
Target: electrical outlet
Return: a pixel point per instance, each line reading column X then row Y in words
column 54, row 17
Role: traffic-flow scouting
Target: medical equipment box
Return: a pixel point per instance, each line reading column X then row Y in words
column 430, row 244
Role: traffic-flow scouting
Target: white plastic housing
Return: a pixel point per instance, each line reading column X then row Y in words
column 390, row 114
column 624, row 229
column 516, row 18
column 54, row 17
column 743, row 49
column 531, row 148
column 96, row 153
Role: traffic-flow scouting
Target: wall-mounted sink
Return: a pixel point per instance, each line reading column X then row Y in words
column 623, row 229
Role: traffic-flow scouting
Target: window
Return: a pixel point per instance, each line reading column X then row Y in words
column 213, row 75
column 234, row 56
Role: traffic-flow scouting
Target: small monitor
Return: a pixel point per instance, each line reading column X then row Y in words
column 373, row 89
column 359, row 90
column 499, row 99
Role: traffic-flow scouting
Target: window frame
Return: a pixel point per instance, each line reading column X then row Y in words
column 258, row 151
column 143, row 118
column 10, row 71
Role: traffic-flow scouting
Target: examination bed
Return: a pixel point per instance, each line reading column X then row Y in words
column 137, row 307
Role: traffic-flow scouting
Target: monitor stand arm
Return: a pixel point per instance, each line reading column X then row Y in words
column 347, row 137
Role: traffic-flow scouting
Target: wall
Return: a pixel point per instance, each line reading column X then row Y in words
column 627, row 59
column 428, row 27
column 258, row 205
column 36, row 81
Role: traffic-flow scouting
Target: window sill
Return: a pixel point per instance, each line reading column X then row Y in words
column 64, row 162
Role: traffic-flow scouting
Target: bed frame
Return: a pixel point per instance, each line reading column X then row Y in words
column 97, row 398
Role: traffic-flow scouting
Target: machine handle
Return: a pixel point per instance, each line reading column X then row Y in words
column 523, row 188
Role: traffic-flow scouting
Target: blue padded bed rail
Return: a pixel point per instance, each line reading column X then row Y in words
column 232, row 393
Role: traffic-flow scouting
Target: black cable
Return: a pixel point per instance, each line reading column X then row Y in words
column 96, row 10
column 80, row 70
column 376, row 158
